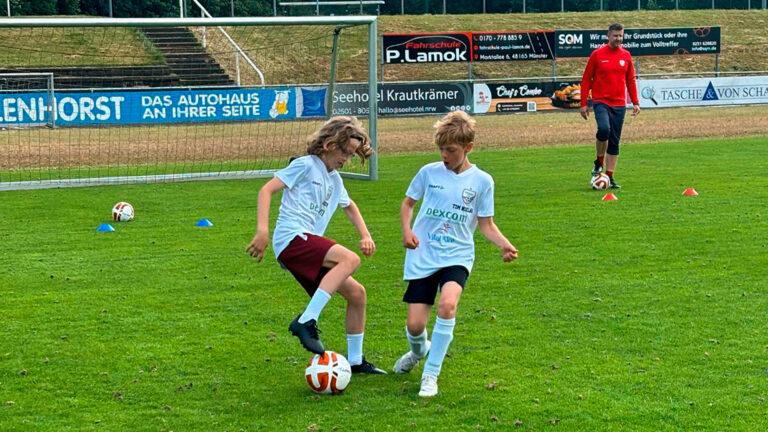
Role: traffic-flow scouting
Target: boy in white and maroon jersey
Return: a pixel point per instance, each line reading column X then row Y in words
column 312, row 190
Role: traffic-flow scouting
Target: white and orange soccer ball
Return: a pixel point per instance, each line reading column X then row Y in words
column 122, row 212
column 600, row 182
column 328, row 373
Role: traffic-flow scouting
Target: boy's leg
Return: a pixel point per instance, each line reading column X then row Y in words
column 356, row 297
column 416, row 333
column 338, row 263
column 354, row 293
column 416, row 328
column 420, row 296
column 341, row 263
column 442, row 335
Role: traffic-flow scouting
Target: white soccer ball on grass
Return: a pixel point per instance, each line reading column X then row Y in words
column 122, row 212
column 600, row 182
column 328, row 373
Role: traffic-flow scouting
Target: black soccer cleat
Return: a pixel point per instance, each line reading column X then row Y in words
column 614, row 185
column 308, row 335
column 367, row 368
column 597, row 169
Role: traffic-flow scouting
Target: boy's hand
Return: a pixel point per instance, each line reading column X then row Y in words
column 508, row 252
column 410, row 241
column 367, row 246
column 258, row 245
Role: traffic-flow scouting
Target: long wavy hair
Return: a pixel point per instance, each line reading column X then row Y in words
column 336, row 133
column 456, row 127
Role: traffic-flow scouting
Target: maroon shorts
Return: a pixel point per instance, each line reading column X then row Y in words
column 304, row 259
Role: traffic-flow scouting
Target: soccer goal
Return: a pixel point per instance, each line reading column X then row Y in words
column 97, row 101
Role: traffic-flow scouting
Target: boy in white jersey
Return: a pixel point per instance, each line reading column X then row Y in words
column 312, row 189
column 457, row 198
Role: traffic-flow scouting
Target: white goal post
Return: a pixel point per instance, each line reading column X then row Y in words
column 131, row 104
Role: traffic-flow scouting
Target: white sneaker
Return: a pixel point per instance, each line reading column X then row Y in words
column 428, row 386
column 408, row 361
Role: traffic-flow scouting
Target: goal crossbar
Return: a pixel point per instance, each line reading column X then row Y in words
column 188, row 22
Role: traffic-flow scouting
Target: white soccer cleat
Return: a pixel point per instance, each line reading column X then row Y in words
column 408, row 361
column 428, row 386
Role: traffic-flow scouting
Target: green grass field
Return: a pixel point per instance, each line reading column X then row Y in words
column 94, row 46
column 643, row 314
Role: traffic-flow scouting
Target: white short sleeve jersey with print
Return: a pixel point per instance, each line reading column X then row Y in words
column 447, row 218
column 310, row 198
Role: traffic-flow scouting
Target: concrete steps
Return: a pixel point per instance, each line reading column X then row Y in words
column 185, row 57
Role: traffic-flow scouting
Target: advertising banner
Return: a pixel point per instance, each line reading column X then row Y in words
column 703, row 91
column 512, row 46
column 425, row 48
column 525, row 97
column 148, row 107
column 641, row 42
column 403, row 99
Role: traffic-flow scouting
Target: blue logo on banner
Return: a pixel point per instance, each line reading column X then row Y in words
column 710, row 94
column 312, row 102
column 148, row 107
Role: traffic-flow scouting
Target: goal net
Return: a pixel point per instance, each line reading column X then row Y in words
column 108, row 101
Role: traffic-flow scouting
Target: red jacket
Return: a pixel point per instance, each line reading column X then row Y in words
column 608, row 73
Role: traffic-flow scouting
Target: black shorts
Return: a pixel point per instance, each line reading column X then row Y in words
column 424, row 290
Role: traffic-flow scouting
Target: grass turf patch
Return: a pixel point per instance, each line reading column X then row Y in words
column 640, row 314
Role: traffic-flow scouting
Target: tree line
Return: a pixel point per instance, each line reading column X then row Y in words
column 225, row 8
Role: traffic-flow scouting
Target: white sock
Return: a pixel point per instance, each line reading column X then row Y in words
column 418, row 343
column 442, row 335
column 355, row 348
column 315, row 306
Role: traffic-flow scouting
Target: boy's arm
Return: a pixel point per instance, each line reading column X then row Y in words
column 258, row 244
column 494, row 235
column 367, row 246
column 410, row 241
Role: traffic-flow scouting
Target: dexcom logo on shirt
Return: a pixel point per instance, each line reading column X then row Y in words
column 445, row 214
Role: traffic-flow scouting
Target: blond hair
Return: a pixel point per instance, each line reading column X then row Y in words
column 456, row 127
column 336, row 133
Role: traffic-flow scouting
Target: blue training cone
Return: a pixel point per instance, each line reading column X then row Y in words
column 204, row 223
column 105, row 227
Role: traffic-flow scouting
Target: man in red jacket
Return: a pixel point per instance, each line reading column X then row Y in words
column 610, row 73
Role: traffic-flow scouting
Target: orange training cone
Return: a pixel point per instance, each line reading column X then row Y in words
column 609, row 197
column 690, row 192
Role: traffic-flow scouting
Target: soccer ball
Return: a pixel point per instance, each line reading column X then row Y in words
column 122, row 212
column 600, row 182
column 328, row 373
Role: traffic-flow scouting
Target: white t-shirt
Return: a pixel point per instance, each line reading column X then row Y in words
column 447, row 217
column 309, row 200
